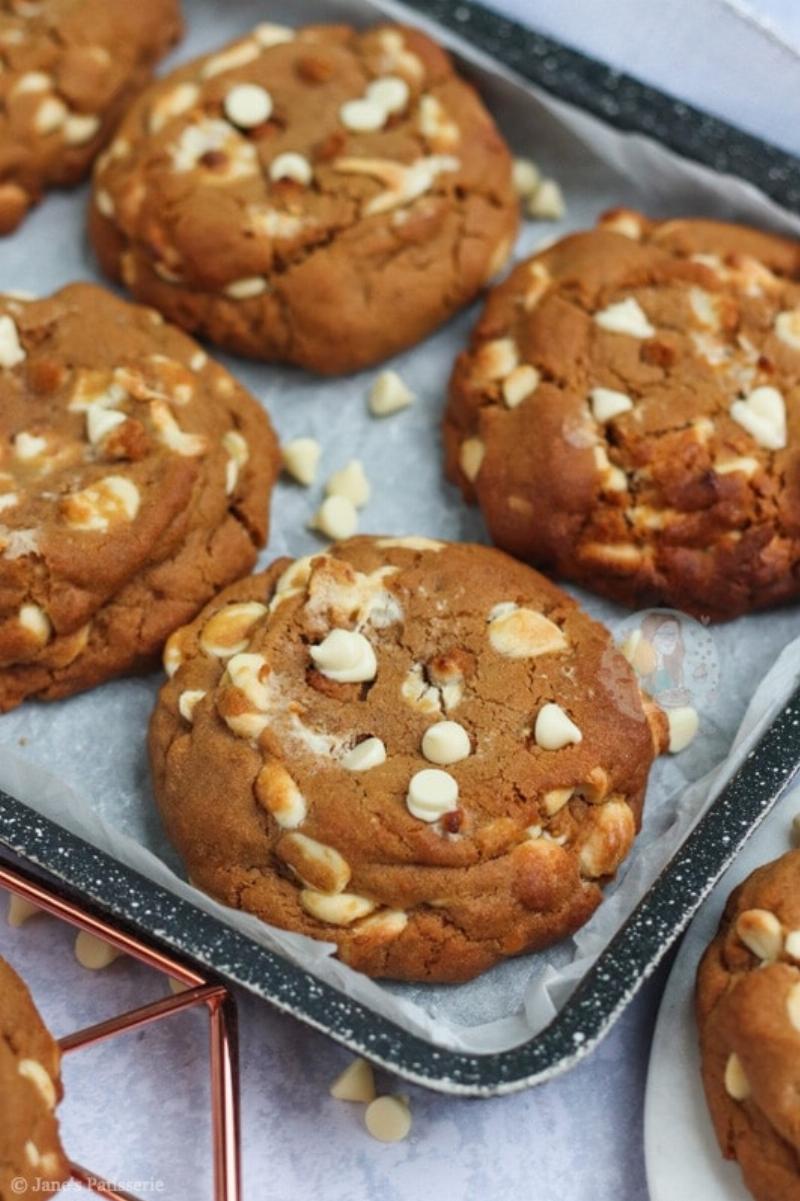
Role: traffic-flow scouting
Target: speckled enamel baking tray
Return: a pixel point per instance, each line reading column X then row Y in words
column 154, row 913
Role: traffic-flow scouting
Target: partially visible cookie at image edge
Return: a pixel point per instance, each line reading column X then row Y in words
column 423, row 752
column 68, row 68
column 627, row 414
column 135, row 477
column 318, row 196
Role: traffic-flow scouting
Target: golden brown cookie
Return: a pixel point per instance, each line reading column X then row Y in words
column 135, row 476
column 68, row 70
column 423, row 752
column 628, row 414
column 748, row 1012
column 31, row 1156
column 320, row 196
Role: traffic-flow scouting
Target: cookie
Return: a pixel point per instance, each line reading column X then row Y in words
column 422, row 752
column 135, row 476
column 31, row 1156
column 321, row 196
column 748, row 1013
column 68, row 70
column 627, row 414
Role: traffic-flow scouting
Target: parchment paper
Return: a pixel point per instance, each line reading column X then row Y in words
column 83, row 762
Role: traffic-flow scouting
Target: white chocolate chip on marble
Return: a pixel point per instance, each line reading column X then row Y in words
column 736, row 1083
column 761, row 933
column 291, row 166
column 32, row 1070
column 346, row 657
column 248, row 105
column 187, row 701
column 554, row 729
column 94, row 953
column 228, row 631
column 763, row 415
column 607, row 403
column 335, row 909
column 524, row 633
column 362, row 116
column 519, row 384
column 431, row 794
column 365, row 755
column 355, row 1083
column 11, row 350
column 388, row 1119
column 336, row 518
column 389, row 394
column 301, row 458
column 526, row 177
column 625, row 317
column 547, row 202
column 351, row 483
column 683, row 724
column 446, row 742
column 470, row 457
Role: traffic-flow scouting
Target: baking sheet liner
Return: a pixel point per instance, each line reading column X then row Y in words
column 83, row 762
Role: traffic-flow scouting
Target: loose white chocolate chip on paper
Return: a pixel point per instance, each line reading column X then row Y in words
column 351, row 483
column 301, row 458
column 346, row 657
column 683, row 724
column 526, row 177
column 94, row 953
column 554, row 729
column 388, row 1119
column 389, row 394
column 446, row 742
column 336, row 518
column 547, row 202
column 431, row 794
column 355, row 1083
column 20, row 910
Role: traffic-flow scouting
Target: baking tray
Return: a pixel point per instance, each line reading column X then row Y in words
column 150, row 911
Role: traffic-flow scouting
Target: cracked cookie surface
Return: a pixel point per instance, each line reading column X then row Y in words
column 423, row 752
column 748, row 1013
column 31, row 1156
column 68, row 69
column 316, row 196
column 628, row 414
column 135, row 476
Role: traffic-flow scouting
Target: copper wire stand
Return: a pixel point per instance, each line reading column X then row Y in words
column 223, row 1045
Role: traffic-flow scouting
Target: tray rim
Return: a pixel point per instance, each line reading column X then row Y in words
column 664, row 911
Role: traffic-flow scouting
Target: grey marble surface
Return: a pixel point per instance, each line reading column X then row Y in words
column 137, row 1107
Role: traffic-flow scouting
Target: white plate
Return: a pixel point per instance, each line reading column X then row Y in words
column 682, row 1157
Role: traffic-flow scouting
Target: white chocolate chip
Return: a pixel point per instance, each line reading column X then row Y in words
column 187, row 702
column 793, row 1006
column 20, row 910
column 523, row 633
column 547, row 202
column 526, row 177
column 277, row 792
column 471, row 457
column 388, row 1119
column 608, row 403
column 50, row 115
column 245, row 672
column 346, row 657
column 625, row 317
column 112, row 499
column 171, row 104
column 291, row 166
column 761, row 933
column 683, row 724
column 446, row 742
column 391, row 93
column 247, row 288
column 497, row 359
column 32, row 1070
column 403, row 182
column 519, row 384
column 100, row 422
column 104, row 202
column 336, row 518
column 238, row 454
column 318, row 866
column 9, row 500
column 742, row 463
column 554, row 729
column 35, row 622
column 736, row 1083
column 268, row 35
column 248, row 105
column 11, row 351
column 94, row 953
column 365, row 755
column 787, row 328
column 436, row 126
column 80, row 128
column 704, row 307
column 336, row 909
column 389, row 394
column 356, row 1083
column 792, row 944
column 411, row 542
column 301, row 458
column 629, row 225
column 228, row 631
column 238, row 55
column 31, row 81
column 351, row 483
column 171, row 434
column 362, row 116
column 556, row 799
column 431, row 794
column 28, row 446
column 763, row 415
